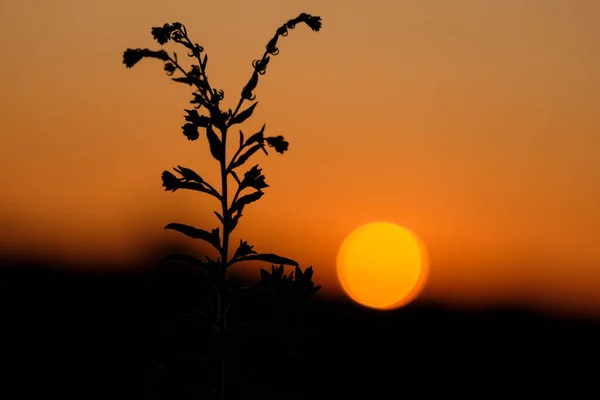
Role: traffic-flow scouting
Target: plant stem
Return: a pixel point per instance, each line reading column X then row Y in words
column 222, row 285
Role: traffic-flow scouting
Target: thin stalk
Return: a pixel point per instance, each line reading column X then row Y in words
column 222, row 286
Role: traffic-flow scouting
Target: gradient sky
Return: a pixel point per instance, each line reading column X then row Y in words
column 473, row 123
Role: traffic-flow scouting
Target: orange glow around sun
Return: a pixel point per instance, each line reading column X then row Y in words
column 382, row 265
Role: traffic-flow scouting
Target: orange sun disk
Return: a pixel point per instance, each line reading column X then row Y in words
column 382, row 265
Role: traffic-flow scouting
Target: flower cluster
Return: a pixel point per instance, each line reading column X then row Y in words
column 278, row 143
column 254, row 178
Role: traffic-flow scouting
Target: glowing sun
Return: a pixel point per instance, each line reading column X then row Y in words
column 382, row 265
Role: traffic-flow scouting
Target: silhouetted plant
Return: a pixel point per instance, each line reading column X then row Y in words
column 250, row 185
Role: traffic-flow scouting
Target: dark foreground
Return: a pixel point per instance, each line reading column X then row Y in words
column 65, row 335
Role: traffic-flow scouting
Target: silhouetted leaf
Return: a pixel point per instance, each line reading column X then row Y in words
column 185, row 79
column 257, row 137
column 216, row 147
column 235, row 177
column 220, row 217
column 210, row 237
column 308, row 273
column 277, row 272
column 245, row 200
column 244, row 115
column 175, row 184
column 190, row 180
column 270, row 258
column 244, row 157
column 298, row 272
column 200, row 188
column 189, row 174
column 243, row 250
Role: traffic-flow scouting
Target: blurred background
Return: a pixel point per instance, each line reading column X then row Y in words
column 472, row 123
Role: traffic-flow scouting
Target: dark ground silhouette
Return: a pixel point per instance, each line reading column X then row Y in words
column 68, row 335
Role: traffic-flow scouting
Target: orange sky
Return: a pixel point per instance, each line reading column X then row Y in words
column 473, row 123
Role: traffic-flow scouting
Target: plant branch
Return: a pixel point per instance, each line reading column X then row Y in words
column 207, row 101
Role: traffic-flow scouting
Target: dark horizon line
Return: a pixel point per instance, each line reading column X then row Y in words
column 29, row 269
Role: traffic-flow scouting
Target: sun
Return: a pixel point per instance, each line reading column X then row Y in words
column 382, row 265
